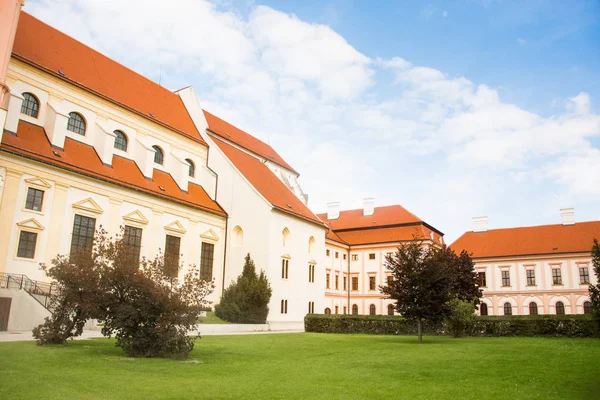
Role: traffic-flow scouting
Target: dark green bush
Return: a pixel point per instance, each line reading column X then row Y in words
column 539, row 325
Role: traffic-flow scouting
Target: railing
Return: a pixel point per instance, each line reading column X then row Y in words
column 40, row 291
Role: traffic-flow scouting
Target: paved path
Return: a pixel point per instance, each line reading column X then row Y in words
column 17, row 336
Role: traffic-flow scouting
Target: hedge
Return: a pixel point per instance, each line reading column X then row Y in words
column 535, row 325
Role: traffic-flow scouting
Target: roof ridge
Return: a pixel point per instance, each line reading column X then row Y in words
column 533, row 226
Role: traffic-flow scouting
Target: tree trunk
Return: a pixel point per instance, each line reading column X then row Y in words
column 419, row 331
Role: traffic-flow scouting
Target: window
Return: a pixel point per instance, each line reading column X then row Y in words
column 533, row 308
column 337, row 282
column 560, row 308
column 556, row 276
column 390, row 280
column 345, row 283
column 311, row 307
column 172, row 246
column 191, row 167
column 371, row 256
column 206, row 261
column 355, row 283
column 34, row 199
column 507, row 309
column 284, row 305
column 584, row 275
column 82, row 238
column 76, row 123
column 372, row 284
column 311, row 273
column 327, row 252
column 337, row 309
column 483, row 309
column 285, row 267
column 344, row 256
column 159, row 156
column 132, row 238
column 354, row 257
column 337, row 254
column 481, row 279
column 530, row 277
column 505, row 278
column 354, row 309
column 587, row 307
column 120, row 141
column 27, row 242
column 391, row 309
column 327, row 281
column 30, row 106
column 345, row 309
column 372, row 309
column 328, row 311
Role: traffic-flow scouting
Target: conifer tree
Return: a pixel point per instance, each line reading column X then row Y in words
column 595, row 289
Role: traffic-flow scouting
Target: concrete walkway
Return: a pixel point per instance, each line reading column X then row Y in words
column 205, row 330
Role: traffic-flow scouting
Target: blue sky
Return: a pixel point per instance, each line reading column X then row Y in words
column 452, row 109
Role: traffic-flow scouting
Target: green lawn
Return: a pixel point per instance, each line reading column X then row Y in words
column 310, row 366
column 211, row 318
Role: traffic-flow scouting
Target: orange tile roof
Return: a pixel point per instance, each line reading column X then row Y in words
column 31, row 142
column 231, row 133
column 382, row 216
column 267, row 184
column 387, row 235
column 531, row 240
column 50, row 50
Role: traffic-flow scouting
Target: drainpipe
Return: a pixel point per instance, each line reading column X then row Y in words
column 225, row 255
column 349, row 283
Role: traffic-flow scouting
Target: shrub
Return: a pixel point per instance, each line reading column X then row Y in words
column 462, row 316
column 143, row 305
column 246, row 301
column 538, row 325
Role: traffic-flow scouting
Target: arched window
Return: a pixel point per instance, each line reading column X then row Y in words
column 159, row 156
column 311, row 245
column 192, row 167
column 76, row 123
column 560, row 308
column 328, row 311
column 507, row 309
column 354, row 309
column 285, row 234
column 238, row 236
column 587, row 307
column 483, row 309
column 533, row 308
column 30, row 106
column 372, row 309
column 120, row 141
column 391, row 309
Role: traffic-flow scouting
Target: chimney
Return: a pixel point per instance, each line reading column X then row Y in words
column 368, row 206
column 567, row 216
column 480, row 224
column 333, row 210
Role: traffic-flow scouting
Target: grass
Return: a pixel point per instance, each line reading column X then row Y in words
column 310, row 366
column 211, row 318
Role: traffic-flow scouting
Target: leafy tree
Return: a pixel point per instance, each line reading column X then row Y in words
column 426, row 280
column 461, row 315
column 595, row 289
column 142, row 304
column 247, row 299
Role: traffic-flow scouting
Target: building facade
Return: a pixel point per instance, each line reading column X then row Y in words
column 533, row 270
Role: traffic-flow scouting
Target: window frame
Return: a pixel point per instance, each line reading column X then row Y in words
column 285, row 268
column 120, row 138
column 530, row 276
column 507, row 307
column 372, row 309
column 483, row 306
column 26, row 102
column 191, row 168
column 587, row 307
column 27, row 232
column 585, row 276
column 556, row 277
column 41, row 198
column 505, row 275
column 533, row 306
column 207, row 261
column 159, row 155
column 372, row 256
column 82, row 237
column 353, row 281
column 133, row 241
column 171, row 261
column 559, row 306
column 372, row 282
column 311, row 273
column 74, row 125
column 354, row 309
column 481, row 282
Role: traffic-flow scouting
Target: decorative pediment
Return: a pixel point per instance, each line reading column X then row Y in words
column 88, row 205
column 136, row 217
column 31, row 223
column 210, row 235
column 38, row 183
column 175, row 227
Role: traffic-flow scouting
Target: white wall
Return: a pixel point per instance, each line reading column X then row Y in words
column 25, row 312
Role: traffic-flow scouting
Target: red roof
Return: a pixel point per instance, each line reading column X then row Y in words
column 388, row 235
column 267, row 184
column 48, row 49
column 31, row 142
column 531, row 240
column 382, row 216
column 231, row 133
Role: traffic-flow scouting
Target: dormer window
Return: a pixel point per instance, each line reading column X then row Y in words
column 120, row 141
column 158, row 155
column 192, row 167
column 76, row 123
column 30, row 106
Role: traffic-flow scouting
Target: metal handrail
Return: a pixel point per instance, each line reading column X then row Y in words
column 40, row 291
